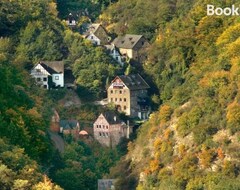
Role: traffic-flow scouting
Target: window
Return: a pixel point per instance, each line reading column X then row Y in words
column 115, row 99
column 142, row 42
column 92, row 37
column 120, row 92
column 111, row 91
column 38, row 70
column 103, row 134
column 45, row 79
column 120, row 99
column 100, row 134
column 125, row 99
column 111, row 99
column 44, row 86
column 99, row 126
column 56, row 77
column 106, row 127
column 39, row 79
column 125, row 107
column 103, row 126
column 106, row 134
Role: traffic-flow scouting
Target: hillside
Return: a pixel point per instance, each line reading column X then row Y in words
column 31, row 32
column 192, row 142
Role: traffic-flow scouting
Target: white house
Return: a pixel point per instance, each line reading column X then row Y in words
column 95, row 33
column 114, row 53
column 49, row 74
column 71, row 21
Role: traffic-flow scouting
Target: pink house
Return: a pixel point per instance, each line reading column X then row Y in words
column 108, row 129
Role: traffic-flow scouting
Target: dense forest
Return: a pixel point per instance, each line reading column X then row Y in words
column 191, row 140
column 31, row 32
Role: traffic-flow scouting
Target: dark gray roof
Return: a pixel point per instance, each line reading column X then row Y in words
column 68, row 124
column 90, row 29
column 112, row 117
column 134, row 82
column 48, row 69
column 72, row 17
column 53, row 66
column 128, row 41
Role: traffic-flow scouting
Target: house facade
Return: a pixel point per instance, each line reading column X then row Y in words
column 108, row 129
column 129, row 95
column 70, row 127
column 96, row 33
column 71, row 21
column 132, row 46
column 115, row 54
column 49, row 74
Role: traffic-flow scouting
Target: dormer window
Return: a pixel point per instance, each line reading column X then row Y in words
column 130, row 39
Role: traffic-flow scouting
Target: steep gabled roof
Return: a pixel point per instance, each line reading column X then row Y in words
column 133, row 81
column 91, row 29
column 53, row 66
column 111, row 117
column 128, row 41
column 68, row 124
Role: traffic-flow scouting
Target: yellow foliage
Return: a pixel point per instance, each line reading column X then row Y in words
column 233, row 113
column 165, row 113
column 220, row 153
column 167, row 133
column 217, row 78
column 181, row 150
column 205, row 157
column 229, row 35
column 157, row 143
column 154, row 165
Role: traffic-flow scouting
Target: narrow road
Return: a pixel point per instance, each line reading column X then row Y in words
column 57, row 140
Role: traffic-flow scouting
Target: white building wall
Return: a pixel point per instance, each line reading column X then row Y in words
column 94, row 39
column 116, row 55
column 58, row 79
column 73, row 23
column 40, row 75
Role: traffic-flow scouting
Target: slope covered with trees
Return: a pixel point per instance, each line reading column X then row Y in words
column 192, row 142
column 30, row 31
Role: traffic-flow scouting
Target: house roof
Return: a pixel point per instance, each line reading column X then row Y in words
column 53, row 66
column 112, row 117
column 68, row 124
column 128, row 41
column 90, row 29
column 71, row 17
column 133, row 81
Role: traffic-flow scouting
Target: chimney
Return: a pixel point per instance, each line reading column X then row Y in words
column 128, row 130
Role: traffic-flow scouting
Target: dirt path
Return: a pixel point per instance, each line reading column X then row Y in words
column 70, row 99
column 57, row 141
